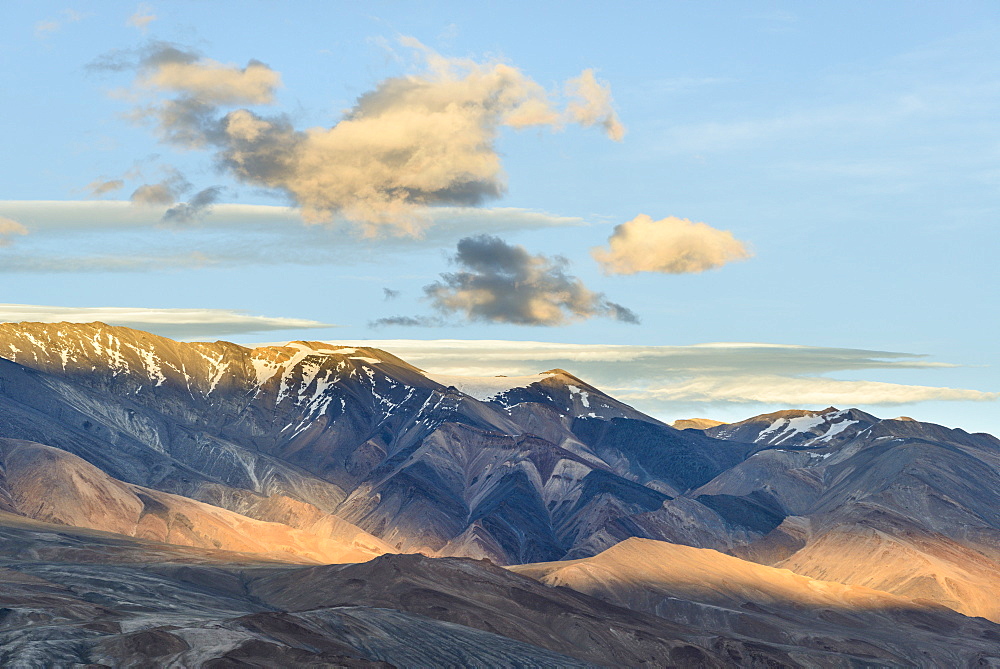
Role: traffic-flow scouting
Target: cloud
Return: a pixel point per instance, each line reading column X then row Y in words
column 142, row 18
column 620, row 364
column 104, row 235
column 390, row 294
column 9, row 228
column 195, row 208
column 45, row 28
column 207, row 81
column 503, row 283
column 134, row 262
column 770, row 389
column 591, row 104
column 670, row 246
column 153, row 195
column 725, row 378
column 98, row 187
column 162, row 194
column 422, row 140
column 186, row 323
column 407, row 322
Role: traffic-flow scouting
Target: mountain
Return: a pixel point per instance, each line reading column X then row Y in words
column 898, row 505
column 695, row 423
column 524, row 473
column 242, row 464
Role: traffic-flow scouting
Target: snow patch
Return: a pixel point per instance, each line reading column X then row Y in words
column 785, row 428
column 584, row 395
column 837, row 428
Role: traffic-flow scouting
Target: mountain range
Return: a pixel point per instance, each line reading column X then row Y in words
column 208, row 504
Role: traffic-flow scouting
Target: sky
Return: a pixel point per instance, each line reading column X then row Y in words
column 707, row 209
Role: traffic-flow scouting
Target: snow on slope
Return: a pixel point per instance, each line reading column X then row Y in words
column 485, row 388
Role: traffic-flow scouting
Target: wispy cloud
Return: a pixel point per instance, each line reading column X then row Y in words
column 100, row 187
column 407, row 322
column 142, row 18
column 103, row 235
column 800, row 391
column 9, row 228
column 179, row 323
column 47, row 27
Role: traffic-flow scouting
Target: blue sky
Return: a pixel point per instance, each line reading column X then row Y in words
column 851, row 149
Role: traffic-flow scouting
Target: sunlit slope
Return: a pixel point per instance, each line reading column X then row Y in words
column 638, row 569
column 54, row 486
column 888, row 554
column 715, row 591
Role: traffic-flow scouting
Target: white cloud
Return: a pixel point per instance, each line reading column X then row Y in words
column 591, row 104
column 416, row 141
column 671, row 246
column 186, row 323
column 800, row 391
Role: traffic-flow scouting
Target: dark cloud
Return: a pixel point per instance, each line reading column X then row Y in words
column 148, row 56
column 390, row 294
column 503, row 283
column 623, row 314
column 407, row 321
column 193, row 209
